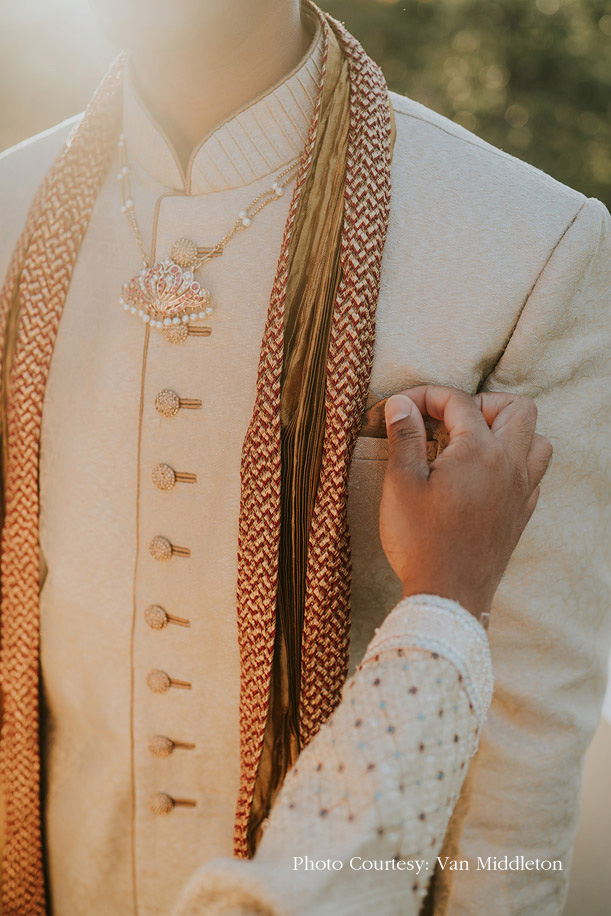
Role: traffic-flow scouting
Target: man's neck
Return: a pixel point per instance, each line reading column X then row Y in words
column 245, row 48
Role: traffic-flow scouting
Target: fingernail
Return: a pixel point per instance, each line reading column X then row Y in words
column 397, row 407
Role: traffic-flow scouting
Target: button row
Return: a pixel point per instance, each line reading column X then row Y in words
column 168, row 403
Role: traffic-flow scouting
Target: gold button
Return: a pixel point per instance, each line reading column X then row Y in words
column 164, row 477
column 167, row 403
column 176, row 333
column 160, row 548
column 158, row 681
column 161, row 746
column 156, row 617
column 160, row 803
column 184, row 252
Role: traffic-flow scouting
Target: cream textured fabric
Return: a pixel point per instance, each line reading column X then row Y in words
column 378, row 781
column 493, row 274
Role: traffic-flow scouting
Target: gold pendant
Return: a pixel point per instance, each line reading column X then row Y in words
column 166, row 295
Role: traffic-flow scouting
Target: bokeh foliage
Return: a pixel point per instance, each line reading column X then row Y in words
column 533, row 77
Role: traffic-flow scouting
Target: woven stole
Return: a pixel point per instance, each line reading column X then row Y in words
column 295, row 458
column 313, row 272
column 293, row 557
column 31, row 304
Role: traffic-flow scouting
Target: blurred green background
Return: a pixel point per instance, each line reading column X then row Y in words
column 533, row 77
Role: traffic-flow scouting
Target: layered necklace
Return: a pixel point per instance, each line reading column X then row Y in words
column 166, row 295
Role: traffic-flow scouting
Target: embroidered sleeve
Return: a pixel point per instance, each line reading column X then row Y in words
column 361, row 817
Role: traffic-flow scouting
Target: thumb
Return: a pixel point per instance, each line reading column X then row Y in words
column 406, row 436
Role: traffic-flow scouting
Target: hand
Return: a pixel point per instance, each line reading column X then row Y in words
column 449, row 527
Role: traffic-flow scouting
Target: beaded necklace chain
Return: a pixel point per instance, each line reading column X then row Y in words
column 166, row 294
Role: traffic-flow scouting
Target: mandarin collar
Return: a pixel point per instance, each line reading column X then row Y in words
column 260, row 138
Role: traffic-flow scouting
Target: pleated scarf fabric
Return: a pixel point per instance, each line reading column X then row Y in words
column 293, row 590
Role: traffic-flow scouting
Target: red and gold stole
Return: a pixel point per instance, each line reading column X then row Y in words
column 293, row 589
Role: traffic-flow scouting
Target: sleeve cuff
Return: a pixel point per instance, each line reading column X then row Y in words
column 228, row 887
column 441, row 626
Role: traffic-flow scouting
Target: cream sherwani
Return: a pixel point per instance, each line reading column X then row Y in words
column 495, row 276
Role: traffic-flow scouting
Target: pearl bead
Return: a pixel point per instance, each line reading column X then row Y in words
column 175, row 320
column 242, row 214
column 140, row 312
column 185, row 318
column 279, row 191
column 146, row 318
column 246, row 222
column 193, row 317
column 209, row 310
column 129, row 204
column 133, row 309
column 202, row 314
column 167, row 322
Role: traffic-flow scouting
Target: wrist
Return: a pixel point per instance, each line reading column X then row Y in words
column 476, row 605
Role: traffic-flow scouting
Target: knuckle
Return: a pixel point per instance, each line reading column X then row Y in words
column 544, row 450
column 470, row 450
column 405, row 433
column 532, row 502
column 495, row 465
column 528, row 408
column 520, row 477
column 458, row 394
column 548, row 451
column 493, row 455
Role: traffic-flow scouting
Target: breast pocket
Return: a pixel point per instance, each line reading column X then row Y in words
column 375, row 587
column 370, row 448
column 374, row 448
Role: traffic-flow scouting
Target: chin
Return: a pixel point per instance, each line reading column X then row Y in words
column 154, row 23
